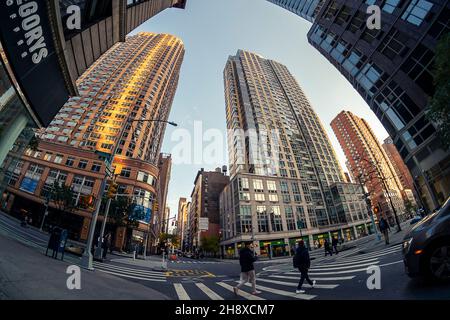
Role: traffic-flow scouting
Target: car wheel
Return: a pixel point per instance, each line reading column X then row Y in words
column 439, row 262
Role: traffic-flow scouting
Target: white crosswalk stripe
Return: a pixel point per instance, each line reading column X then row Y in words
column 319, row 268
column 182, row 294
column 241, row 293
column 292, row 284
column 282, row 292
column 313, row 278
column 211, row 294
column 131, row 273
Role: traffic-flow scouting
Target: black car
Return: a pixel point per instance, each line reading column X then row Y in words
column 426, row 248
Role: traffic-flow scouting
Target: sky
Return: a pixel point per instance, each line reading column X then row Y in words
column 212, row 30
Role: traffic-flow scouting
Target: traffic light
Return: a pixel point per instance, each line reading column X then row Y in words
column 86, row 201
column 155, row 206
column 112, row 190
column 376, row 209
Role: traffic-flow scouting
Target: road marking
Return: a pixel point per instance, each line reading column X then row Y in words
column 241, row 293
column 318, row 279
column 324, row 268
column 283, row 293
column 373, row 256
column 125, row 269
column 182, row 294
column 132, row 277
column 344, row 263
column 211, row 294
column 291, row 284
column 390, row 263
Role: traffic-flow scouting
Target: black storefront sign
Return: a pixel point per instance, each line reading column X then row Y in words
column 26, row 37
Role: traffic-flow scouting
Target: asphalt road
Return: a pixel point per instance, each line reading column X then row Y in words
column 342, row 276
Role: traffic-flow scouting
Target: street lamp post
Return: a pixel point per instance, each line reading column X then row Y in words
column 87, row 258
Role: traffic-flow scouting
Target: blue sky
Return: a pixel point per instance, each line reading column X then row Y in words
column 212, row 30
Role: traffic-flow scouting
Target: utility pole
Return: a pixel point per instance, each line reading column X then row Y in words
column 47, row 200
column 369, row 207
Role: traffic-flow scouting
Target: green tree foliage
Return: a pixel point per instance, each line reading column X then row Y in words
column 63, row 198
column 210, row 244
column 119, row 212
column 166, row 238
column 439, row 111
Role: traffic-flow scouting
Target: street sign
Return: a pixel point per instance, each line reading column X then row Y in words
column 203, row 224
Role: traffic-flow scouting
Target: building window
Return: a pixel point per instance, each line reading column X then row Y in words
column 263, row 225
column 390, row 5
column 271, row 187
column 258, row 185
column 260, row 197
column 70, row 161
column 82, row 164
column 243, row 184
column 96, row 167
column 48, row 156
column 126, row 172
column 276, row 219
column 58, row 158
column 147, row 178
column 417, row 11
column 245, row 219
column 290, row 219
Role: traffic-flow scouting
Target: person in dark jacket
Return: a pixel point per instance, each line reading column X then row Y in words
column 246, row 259
column 327, row 247
column 384, row 229
column 303, row 263
column 334, row 243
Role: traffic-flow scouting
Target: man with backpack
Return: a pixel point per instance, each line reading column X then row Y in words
column 303, row 263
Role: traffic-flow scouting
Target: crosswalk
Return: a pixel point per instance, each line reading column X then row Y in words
column 131, row 273
column 195, row 262
column 280, row 282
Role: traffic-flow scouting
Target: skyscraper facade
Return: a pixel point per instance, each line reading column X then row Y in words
column 307, row 9
column 392, row 69
column 409, row 189
column 134, row 80
column 369, row 163
column 205, row 205
column 282, row 163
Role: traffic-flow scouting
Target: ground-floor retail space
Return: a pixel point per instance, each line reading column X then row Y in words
column 285, row 244
column 123, row 237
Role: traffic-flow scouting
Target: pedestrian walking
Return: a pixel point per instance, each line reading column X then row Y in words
column 327, row 247
column 302, row 262
column 384, row 229
column 246, row 260
column 106, row 244
column 334, row 243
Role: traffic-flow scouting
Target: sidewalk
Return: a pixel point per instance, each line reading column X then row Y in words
column 151, row 262
column 28, row 274
column 394, row 238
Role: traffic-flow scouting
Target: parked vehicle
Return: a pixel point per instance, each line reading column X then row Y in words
column 426, row 248
column 415, row 219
